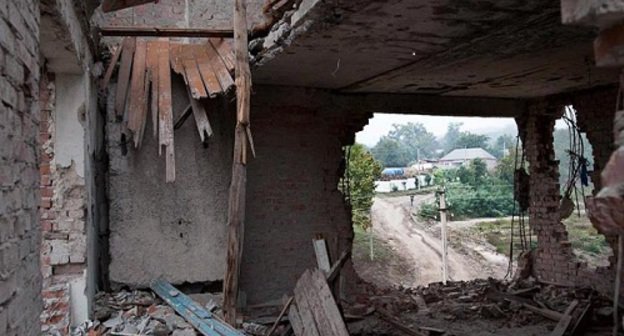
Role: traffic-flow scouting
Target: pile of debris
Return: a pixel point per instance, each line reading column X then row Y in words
column 134, row 313
column 526, row 302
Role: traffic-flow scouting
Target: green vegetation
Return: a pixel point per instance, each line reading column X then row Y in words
column 405, row 144
column 586, row 242
column 361, row 246
column 473, row 192
column 363, row 171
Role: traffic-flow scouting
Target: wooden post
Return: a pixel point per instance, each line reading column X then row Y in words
column 236, row 208
column 444, row 244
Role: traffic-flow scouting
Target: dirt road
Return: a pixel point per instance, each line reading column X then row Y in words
column 413, row 240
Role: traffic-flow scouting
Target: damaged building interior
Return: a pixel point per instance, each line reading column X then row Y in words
column 171, row 167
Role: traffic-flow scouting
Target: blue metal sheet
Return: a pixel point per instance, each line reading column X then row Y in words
column 203, row 320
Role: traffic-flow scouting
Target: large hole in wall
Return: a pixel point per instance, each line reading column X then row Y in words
column 576, row 163
column 392, row 176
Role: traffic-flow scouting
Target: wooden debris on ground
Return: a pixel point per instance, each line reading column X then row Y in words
column 144, row 87
column 315, row 307
column 202, row 320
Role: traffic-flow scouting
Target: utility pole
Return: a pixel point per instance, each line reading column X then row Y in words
column 370, row 239
column 444, row 242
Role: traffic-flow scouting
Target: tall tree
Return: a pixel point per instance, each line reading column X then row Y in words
column 472, row 140
column 502, row 145
column 452, row 134
column 404, row 144
column 363, row 171
column 390, row 152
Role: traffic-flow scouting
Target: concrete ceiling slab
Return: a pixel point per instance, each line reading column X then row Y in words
column 490, row 48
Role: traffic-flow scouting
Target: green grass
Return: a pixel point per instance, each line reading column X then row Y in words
column 584, row 237
column 581, row 234
column 361, row 246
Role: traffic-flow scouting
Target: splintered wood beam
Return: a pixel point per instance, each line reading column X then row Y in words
column 236, row 208
column 165, row 32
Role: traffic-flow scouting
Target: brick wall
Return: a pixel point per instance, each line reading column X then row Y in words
column 292, row 190
column 554, row 260
column 20, row 279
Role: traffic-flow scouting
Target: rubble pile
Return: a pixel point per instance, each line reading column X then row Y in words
column 133, row 313
column 511, row 305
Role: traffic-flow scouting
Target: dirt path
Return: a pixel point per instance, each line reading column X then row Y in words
column 393, row 223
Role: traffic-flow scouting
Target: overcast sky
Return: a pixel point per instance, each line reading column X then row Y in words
column 381, row 124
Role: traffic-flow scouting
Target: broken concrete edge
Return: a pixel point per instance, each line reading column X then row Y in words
column 597, row 13
column 293, row 24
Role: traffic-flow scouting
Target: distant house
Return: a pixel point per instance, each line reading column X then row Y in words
column 463, row 156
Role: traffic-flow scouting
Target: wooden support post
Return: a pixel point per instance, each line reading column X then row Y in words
column 444, row 238
column 236, row 209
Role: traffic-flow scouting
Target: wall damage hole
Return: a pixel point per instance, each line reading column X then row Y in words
column 392, row 181
column 575, row 155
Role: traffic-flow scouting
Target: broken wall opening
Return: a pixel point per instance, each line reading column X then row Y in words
column 473, row 162
column 574, row 153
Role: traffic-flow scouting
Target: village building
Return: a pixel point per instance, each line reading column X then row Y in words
column 463, row 156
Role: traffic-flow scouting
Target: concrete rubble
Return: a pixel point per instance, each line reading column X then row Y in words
column 497, row 305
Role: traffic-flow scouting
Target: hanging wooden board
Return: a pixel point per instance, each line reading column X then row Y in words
column 165, row 113
column 211, row 82
column 226, row 51
column 137, row 101
column 152, row 68
column 194, row 80
column 220, row 68
column 201, row 118
column 112, row 65
column 123, row 77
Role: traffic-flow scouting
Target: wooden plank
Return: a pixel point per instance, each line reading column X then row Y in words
column 279, row 317
column 547, row 313
column 565, row 320
column 165, row 32
column 165, row 113
column 137, row 101
column 201, row 119
column 328, row 310
column 219, row 67
column 236, row 202
column 226, row 52
column 305, row 308
column 115, row 5
column 176, row 56
column 204, row 321
column 322, row 255
column 195, row 82
column 152, row 66
column 123, row 78
column 295, row 320
column 112, row 65
column 390, row 319
column 211, row 82
column 335, row 270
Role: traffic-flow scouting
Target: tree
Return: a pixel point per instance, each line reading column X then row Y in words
column 415, row 138
column 505, row 167
column 471, row 140
column 363, row 171
column 452, row 134
column 390, row 152
column 405, row 144
column 478, row 168
column 502, row 146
